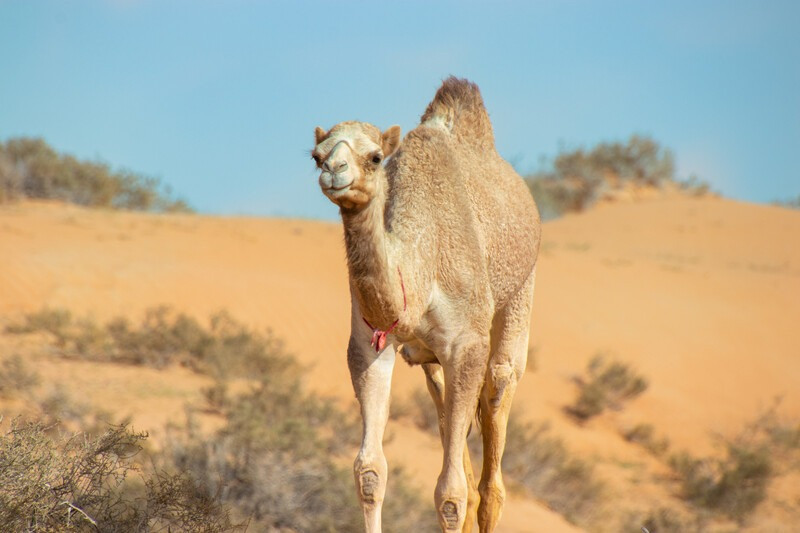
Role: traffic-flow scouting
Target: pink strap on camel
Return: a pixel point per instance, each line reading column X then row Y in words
column 379, row 336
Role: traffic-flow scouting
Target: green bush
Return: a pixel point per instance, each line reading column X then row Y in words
column 30, row 168
column 578, row 178
column 737, row 482
column 224, row 348
column 53, row 321
column 608, row 385
column 644, row 435
column 734, row 485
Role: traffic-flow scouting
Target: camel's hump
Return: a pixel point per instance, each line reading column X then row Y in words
column 458, row 106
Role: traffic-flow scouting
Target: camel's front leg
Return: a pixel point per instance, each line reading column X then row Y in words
column 463, row 377
column 506, row 367
column 372, row 379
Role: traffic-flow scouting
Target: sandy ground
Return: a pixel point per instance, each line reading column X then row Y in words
column 702, row 296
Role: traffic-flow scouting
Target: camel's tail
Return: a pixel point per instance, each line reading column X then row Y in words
column 458, row 107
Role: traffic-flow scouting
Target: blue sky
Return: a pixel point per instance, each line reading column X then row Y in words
column 219, row 99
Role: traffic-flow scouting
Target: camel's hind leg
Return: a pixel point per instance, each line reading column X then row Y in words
column 506, row 366
column 434, row 378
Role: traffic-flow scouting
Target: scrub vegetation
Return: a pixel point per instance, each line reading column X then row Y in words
column 30, row 168
column 274, row 465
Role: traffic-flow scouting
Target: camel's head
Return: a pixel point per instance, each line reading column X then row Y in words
column 350, row 157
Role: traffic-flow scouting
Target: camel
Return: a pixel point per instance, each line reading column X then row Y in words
column 441, row 238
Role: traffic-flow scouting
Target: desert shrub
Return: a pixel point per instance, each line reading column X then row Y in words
column 542, row 464
column 30, row 168
column 577, row 179
column 734, row 485
column 659, row 520
column 277, row 460
column 58, row 406
column 791, row 203
column 534, row 459
column 216, row 396
column 735, row 482
column 644, row 435
column 274, row 463
column 783, row 436
column 608, row 384
column 15, row 377
column 224, row 348
column 82, row 483
column 53, row 321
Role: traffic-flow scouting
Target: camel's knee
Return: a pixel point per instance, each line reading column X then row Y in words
column 370, row 477
column 502, row 379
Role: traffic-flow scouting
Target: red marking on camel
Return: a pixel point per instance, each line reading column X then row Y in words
column 378, row 335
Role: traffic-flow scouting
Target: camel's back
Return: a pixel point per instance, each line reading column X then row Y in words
column 507, row 217
column 498, row 199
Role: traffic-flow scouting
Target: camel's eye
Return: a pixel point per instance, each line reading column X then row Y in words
column 315, row 157
column 376, row 158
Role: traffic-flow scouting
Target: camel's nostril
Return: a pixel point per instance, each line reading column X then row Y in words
column 334, row 166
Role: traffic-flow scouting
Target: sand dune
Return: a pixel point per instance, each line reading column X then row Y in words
column 702, row 296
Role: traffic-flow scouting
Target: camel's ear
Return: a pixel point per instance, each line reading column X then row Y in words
column 390, row 140
column 319, row 135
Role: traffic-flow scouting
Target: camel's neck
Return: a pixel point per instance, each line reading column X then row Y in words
column 373, row 272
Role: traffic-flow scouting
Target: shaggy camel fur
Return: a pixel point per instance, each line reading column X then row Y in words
column 441, row 246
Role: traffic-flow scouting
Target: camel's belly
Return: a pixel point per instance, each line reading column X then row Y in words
column 416, row 353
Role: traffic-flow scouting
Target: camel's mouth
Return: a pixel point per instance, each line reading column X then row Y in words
column 343, row 187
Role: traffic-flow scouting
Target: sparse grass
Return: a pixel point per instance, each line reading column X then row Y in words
column 59, row 406
column 273, row 462
column 659, row 520
column 782, row 435
column 644, row 435
column 53, row 321
column 276, row 463
column 224, row 348
column 536, row 460
column 608, row 384
column 425, row 417
column 15, row 377
column 541, row 463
